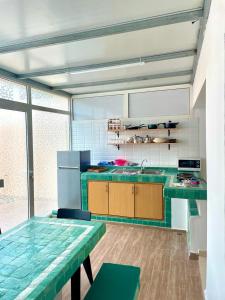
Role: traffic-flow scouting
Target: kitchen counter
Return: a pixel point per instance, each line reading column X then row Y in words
column 168, row 178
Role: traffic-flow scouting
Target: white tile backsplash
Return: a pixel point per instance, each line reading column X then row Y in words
column 92, row 135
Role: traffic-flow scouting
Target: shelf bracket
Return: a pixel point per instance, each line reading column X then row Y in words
column 168, row 132
column 168, row 146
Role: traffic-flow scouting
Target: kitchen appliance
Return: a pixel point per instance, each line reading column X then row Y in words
column 169, row 124
column 189, row 164
column 70, row 164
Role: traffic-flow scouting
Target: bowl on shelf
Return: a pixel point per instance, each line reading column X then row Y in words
column 160, row 140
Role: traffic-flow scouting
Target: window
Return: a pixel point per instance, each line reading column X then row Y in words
column 159, row 103
column 45, row 99
column 10, row 90
column 95, row 108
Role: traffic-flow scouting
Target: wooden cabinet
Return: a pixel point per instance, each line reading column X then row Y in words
column 125, row 199
column 121, row 199
column 98, row 197
column 149, row 201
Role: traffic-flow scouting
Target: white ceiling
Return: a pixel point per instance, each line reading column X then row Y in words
column 22, row 19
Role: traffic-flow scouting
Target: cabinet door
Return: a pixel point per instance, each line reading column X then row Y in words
column 121, row 199
column 149, row 201
column 98, row 197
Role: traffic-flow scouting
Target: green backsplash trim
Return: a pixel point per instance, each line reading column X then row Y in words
column 169, row 191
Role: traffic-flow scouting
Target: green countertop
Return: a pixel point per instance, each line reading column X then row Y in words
column 168, row 178
column 40, row 255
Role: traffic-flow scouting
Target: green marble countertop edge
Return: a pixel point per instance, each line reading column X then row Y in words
column 167, row 178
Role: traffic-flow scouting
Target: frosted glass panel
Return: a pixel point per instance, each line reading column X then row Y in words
column 42, row 98
column 159, row 103
column 10, row 90
column 94, row 108
column 13, row 169
column 50, row 134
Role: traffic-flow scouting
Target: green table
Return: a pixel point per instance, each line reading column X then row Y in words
column 40, row 255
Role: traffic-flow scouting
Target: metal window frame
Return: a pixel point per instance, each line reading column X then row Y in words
column 28, row 109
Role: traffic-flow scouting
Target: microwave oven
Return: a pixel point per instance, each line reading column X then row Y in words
column 189, row 164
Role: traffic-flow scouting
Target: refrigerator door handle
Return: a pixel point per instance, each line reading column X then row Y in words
column 68, row 167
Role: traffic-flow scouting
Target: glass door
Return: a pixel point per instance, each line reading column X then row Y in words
column 50, row 134
column 13, row 168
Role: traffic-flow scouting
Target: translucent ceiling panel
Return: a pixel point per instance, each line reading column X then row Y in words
column 13, row 169
column 50, row 134
column 50, row 100
column 95, row 108
column 10, row 90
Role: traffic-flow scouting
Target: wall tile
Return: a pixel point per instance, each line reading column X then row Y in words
column 92, row 135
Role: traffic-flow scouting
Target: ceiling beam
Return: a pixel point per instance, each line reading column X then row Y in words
column 146, row 59
column 203, row 22
column 123, row 80
column 35, row 84
column 100, row 92
column 140, row 24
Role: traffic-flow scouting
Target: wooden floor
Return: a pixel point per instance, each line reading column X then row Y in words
column 166, row 271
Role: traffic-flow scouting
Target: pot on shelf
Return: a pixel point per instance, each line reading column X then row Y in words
column 152, row 126
column 169, row 124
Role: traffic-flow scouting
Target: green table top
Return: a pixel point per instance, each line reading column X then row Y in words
column 40, row 255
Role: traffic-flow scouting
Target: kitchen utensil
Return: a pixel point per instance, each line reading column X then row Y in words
column 172, row 140
column 120, row 162
column 130, row 140
column 152, row 126
column 169, row 124
column 160, row 140
column 134, row 127
column 147, row 139
column 97, row 169
column 139, row 139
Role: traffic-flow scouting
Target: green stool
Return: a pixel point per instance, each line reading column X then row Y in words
column 115, row 282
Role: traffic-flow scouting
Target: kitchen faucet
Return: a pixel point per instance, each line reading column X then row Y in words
column 142, row 167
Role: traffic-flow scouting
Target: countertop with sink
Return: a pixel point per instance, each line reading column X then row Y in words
column 166, row 176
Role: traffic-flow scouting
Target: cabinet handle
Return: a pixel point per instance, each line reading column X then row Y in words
column 133, row 189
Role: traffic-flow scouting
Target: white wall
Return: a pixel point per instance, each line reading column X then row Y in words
column 93, row 135
column 199, row 112
column 211, row 69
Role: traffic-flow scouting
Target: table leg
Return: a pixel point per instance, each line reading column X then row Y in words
column 75, row 285
column 88, row 270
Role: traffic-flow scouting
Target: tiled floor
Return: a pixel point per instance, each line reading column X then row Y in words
column 166, row 271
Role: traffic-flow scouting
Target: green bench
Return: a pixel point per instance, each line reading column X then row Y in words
column 115, row 282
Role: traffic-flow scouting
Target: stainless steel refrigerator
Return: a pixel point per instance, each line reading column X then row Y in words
column 70, row 164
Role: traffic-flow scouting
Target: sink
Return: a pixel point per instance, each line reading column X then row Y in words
column 135, row 172
column 150, row 172
column 126, row 172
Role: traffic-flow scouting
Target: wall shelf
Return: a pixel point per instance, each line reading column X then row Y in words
column 120, row 130
column 124, row 144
